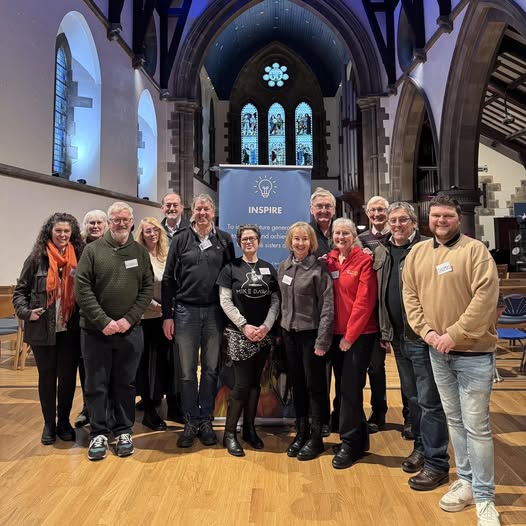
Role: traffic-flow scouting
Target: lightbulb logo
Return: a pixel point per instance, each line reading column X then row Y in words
column 265, row 185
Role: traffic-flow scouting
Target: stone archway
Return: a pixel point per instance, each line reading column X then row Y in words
column 473, row 59
column 412, row 108
column 190, row 57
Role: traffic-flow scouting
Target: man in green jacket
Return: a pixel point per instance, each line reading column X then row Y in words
column 113, row 287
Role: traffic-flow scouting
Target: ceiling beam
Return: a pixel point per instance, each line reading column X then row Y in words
column 169, row 46
column 496, row 136
column 444, row 7
column 142, row 15
column 500, row 88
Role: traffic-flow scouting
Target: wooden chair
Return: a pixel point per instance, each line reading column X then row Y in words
column 502, row 270
column 517, row 275
column 12, row 329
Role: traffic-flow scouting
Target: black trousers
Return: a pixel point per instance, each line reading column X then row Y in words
column 111, row 364
column 307, row 373
column 377, row 381
column 153, row 374
column 57, row 375
column 353, row 424
column 248, row 374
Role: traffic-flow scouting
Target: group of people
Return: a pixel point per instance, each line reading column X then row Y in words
column 142, row 312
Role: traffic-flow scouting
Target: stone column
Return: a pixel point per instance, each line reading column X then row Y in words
column 182, row 124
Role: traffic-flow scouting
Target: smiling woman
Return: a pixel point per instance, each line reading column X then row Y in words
column 44, row 299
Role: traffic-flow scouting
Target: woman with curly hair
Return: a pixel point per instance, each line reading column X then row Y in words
column 44, row 299
column 153, row 378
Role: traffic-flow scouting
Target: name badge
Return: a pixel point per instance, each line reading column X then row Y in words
column 131, row 263
column 205, row 244
column 335, row 274
column 444, row 268
column 265, row 271
column 287, row 280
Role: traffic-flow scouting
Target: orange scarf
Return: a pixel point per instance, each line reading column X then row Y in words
column 67, row 262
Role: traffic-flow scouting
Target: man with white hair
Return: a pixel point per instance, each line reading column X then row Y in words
column 379, row 232
column 113, row 287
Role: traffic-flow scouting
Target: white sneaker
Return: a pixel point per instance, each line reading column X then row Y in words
column 459, row 496
column 487, row 515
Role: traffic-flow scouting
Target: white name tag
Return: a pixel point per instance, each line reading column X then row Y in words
column 287, row 280
column 444, row 268
column 205, row 244
column 131, row 263
column 73, row 272
column 265, row 271
column 335, row 274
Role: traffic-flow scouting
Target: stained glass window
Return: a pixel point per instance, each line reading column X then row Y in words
column 249, row 135
column 303, row 126
column 61, row 108
column 275, row 75
column 276, row 135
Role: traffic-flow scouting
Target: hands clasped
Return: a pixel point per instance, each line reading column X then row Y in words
column 114, row 327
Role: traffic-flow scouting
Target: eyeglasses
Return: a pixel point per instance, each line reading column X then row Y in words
column 251, row 239
column 172, row 205
column 120, row 221
column 322, row 206
column 379, row 210
column 149, row 232
column 399, row 221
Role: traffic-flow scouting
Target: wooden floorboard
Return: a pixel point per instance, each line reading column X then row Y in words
column 161, row 484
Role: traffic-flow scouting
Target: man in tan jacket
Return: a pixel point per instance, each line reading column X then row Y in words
column 450, row 291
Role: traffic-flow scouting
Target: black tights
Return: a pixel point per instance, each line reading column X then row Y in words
column 248, row 374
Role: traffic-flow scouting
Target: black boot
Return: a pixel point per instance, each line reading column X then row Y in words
column 230, row 436
column 249, row 416
column 300, row 438
column 314, row 445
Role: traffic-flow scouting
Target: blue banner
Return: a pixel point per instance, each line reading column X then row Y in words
column 272, row 197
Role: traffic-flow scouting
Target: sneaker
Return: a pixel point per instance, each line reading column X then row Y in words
column 188, row 435
column 207, row 434
column 487, row 515
column 459, row 496
column 98, row 447
column 124, row 446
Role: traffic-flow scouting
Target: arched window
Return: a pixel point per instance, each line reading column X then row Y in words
column 60, row 127
column 146, row 147
column 303, row 133
column 276, row 135
column 249, row 135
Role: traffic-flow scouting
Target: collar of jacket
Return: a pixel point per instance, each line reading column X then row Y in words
column 355, row 250
column 306, row 263
column 114, row 244
column 449, row 243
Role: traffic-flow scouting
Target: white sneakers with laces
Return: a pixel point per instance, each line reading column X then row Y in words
column 487, row 514
column 459, row 495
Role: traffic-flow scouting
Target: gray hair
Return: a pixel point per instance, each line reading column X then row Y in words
column 322, row 192
column 90, row 216
column 119, row 206
column 347, row 223
column 403, row 205
column 203, row 197
column 377, row 198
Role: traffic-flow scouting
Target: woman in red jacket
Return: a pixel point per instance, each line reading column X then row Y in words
column 355, row 329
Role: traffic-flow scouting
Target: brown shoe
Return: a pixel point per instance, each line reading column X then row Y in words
column 413, row 463
column 427, row 480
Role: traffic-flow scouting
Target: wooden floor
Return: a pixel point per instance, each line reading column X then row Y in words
column 163, row 485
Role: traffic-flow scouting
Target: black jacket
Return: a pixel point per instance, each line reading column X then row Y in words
column 190, row 273
column 382, row 266
column 30, row 293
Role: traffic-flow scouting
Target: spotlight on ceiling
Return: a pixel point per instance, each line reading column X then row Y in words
column 114, row 31
column 138, row 61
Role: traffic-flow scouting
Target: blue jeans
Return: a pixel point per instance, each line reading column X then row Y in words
column 428, row 420
column 198, row 327
column 464, row 383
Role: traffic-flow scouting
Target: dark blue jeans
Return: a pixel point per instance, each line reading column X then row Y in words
column 428, row 420
column 198, row 328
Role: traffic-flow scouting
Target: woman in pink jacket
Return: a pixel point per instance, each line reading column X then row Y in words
column 355, row 329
